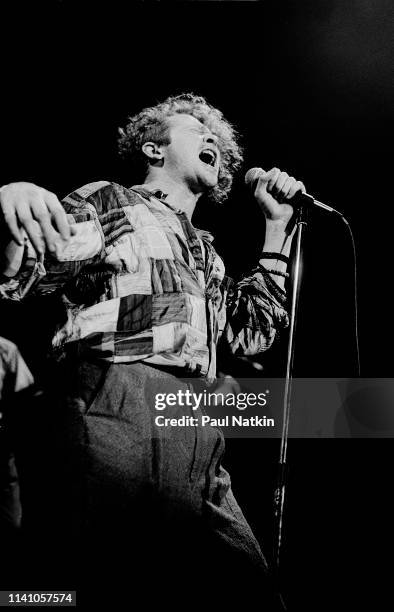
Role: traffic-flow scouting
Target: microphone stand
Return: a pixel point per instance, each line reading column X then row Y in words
column 301, row 223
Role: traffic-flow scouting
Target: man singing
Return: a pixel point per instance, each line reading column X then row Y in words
column 143, row 302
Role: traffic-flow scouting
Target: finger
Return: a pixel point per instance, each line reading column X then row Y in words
column 287, row 186
column 41, row 215
column 12, row 224
column 271, row 177
column 71, row 224
column 32, row 230
column 58, row 214
column 279, row 184
column 47, row 233
column 295, row 187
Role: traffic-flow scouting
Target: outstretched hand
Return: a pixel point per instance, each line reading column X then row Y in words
column 25, row 206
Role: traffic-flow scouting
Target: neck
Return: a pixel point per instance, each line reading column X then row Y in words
column 179, row 194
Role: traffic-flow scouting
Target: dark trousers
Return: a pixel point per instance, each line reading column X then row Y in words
column 118, row 500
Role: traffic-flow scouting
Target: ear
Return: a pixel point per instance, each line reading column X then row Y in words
column 153, row 151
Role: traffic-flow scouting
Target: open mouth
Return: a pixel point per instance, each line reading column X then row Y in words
column 207, row 156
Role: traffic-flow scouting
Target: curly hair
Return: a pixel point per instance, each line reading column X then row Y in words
column 151, row 125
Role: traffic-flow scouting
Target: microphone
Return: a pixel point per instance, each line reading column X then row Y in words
column 299, row 199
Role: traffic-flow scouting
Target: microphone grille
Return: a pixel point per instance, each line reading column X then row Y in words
column 252, row 175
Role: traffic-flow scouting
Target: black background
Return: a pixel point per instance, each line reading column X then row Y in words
column 309, row 86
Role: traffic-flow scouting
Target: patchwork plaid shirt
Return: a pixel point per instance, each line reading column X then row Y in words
column 140, row 283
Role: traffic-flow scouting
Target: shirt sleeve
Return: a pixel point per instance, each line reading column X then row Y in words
column 256, row 311
column 86, row 211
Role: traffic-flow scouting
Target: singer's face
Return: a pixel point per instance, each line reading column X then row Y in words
column 192, row 155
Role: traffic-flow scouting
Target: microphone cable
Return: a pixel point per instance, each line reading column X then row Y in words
column 356, row 317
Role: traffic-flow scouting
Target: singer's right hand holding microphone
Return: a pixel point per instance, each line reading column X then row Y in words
column 273, row 190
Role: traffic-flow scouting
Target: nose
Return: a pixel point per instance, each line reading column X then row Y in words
column 211, row 139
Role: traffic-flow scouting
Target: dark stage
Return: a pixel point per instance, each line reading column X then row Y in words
column 309, row 86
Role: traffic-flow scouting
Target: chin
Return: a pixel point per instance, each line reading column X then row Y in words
column 211, row 181
column 207, row 182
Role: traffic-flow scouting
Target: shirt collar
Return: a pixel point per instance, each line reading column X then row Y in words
column 161, row 196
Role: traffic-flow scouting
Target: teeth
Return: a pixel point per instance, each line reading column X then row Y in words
column 208, row 156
